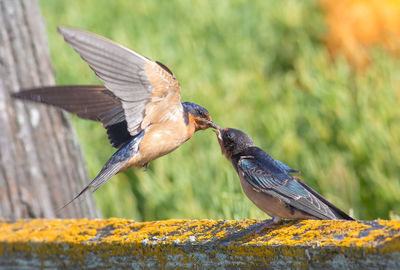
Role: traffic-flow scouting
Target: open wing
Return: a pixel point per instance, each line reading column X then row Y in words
column 93, row 102
column 148, row 90
column 87, row 101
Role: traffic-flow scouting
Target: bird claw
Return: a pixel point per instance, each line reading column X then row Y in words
column 267, row 224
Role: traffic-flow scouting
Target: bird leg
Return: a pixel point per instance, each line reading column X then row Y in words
column 146, row 166
column 268, row 224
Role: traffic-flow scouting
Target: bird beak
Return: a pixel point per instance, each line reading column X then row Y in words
column 218, row 132
column 219, row 135
column 213, row 125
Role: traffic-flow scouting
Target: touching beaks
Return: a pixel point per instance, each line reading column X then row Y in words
column 218, row 132
column 213, row 125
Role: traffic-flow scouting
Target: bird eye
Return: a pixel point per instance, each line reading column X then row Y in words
column 200, row 113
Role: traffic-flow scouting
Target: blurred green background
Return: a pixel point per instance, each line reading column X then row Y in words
column 258, row 66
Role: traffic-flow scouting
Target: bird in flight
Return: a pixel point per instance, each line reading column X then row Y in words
column 267, row 182
column 139, row 104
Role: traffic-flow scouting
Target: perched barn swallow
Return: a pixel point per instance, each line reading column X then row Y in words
column 268, row 183
column 139, row 104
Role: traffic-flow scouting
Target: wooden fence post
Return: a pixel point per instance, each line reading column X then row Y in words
column 41, row 163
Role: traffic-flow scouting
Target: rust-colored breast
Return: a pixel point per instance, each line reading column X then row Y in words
column 162, row 138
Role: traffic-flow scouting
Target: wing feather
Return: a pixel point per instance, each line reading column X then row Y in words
column 283, row 186
column 141, row 84
column 87, row 101
column 90, row 102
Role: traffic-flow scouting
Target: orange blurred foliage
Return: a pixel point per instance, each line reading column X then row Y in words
column 357, row 25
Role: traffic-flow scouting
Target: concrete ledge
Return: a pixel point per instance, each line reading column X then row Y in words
column 120, row 243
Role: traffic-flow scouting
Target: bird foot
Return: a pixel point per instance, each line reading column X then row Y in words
column 268, row 224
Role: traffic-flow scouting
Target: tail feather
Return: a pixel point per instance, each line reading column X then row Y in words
column 336, row 211
column 114, row 165
column 105, row 174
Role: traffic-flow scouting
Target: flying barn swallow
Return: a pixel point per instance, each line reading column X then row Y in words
column 268, row 183
column 139, row 104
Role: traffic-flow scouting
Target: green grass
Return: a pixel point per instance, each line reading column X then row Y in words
column 259, row 66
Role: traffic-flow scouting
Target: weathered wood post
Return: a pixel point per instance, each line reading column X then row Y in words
column 199, row 244
column 41, row 163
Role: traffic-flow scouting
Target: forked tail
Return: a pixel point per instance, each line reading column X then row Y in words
column 114, row 165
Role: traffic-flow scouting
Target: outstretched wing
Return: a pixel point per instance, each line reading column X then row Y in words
column 87, row 101
column 266, row 177
column 91, row 102
column 148, row 91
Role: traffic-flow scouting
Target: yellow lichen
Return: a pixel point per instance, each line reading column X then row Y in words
column 119, row 237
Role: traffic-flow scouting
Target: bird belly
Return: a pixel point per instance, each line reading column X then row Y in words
column 161, row 139
column 271, row 205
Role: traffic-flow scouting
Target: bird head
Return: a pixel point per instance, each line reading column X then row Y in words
column 199, row 116
column 233, row 141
